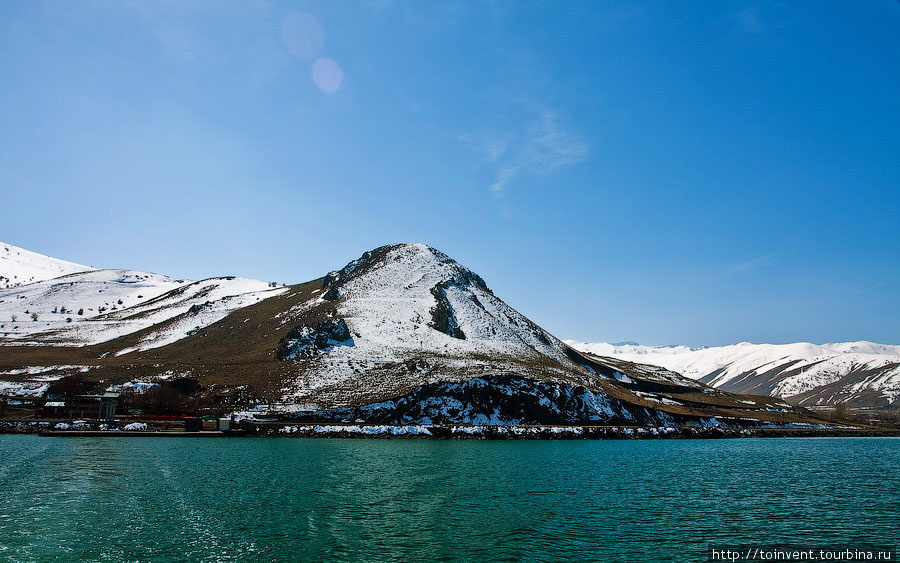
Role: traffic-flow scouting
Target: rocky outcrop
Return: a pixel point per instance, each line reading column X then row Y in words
column 305, row 341
column 443, row 318
column 499, row 400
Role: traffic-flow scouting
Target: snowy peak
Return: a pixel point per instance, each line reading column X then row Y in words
column 809, row 374
column 439, row 301
column 407, row 258
column 412, row 303
column 863, row 347
column 19, row 267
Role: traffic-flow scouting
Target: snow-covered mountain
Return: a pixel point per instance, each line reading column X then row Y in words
column 19, row 266
column 92, row 306
column 403, row 334
column 411, row 303
column 859, row 373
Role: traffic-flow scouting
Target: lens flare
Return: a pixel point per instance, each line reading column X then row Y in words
column 327, row 75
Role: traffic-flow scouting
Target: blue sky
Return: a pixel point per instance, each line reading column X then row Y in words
column 663, row 172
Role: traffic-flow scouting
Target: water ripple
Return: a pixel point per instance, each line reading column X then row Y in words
column 115, row 499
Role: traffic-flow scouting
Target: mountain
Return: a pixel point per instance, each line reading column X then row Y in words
column 861, row 374
column 93, row 306
column 403, row 334
column 19, row 266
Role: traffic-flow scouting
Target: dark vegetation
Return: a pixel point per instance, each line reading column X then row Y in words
column 177, row 397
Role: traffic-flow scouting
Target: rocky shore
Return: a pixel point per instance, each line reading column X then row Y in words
column 555, row 432
column 466, row 432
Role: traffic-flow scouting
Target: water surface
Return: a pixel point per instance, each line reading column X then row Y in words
column 195, row 499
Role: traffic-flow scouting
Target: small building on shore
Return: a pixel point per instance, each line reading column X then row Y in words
column 97, row 407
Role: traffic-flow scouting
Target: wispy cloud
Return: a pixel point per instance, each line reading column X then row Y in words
column 544, row 145
column 550, row 145
column 504, row 177
column 749, row 264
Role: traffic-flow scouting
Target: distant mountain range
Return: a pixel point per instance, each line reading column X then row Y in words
column 853, row 373
column 403, row 334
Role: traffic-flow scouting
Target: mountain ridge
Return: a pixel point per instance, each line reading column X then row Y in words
column 92, row 306
column 860, row 373
column 404, row 333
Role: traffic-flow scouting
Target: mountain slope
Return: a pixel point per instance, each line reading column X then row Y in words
column 410, row 303
column 19, row 266
column 101, row 305
column 858, row 373
column 403, row 334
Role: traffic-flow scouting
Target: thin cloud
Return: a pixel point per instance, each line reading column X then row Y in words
column 749, row 264
column 551, row 146
column 544, row 146
column 504, row 177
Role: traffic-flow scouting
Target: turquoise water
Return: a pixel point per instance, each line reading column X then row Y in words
column 195, row 499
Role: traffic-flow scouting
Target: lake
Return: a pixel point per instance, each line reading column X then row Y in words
column 233, row 499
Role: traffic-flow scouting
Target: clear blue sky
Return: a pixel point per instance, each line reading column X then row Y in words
column 665, row 172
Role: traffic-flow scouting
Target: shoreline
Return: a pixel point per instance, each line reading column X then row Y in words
column 570, row 432
column 447, row 431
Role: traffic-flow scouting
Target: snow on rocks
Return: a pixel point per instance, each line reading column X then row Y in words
column 309, row 340
column 495, row 401
column 337, row 429
column 23, row 389
column 518, row 432
column 133, row 386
